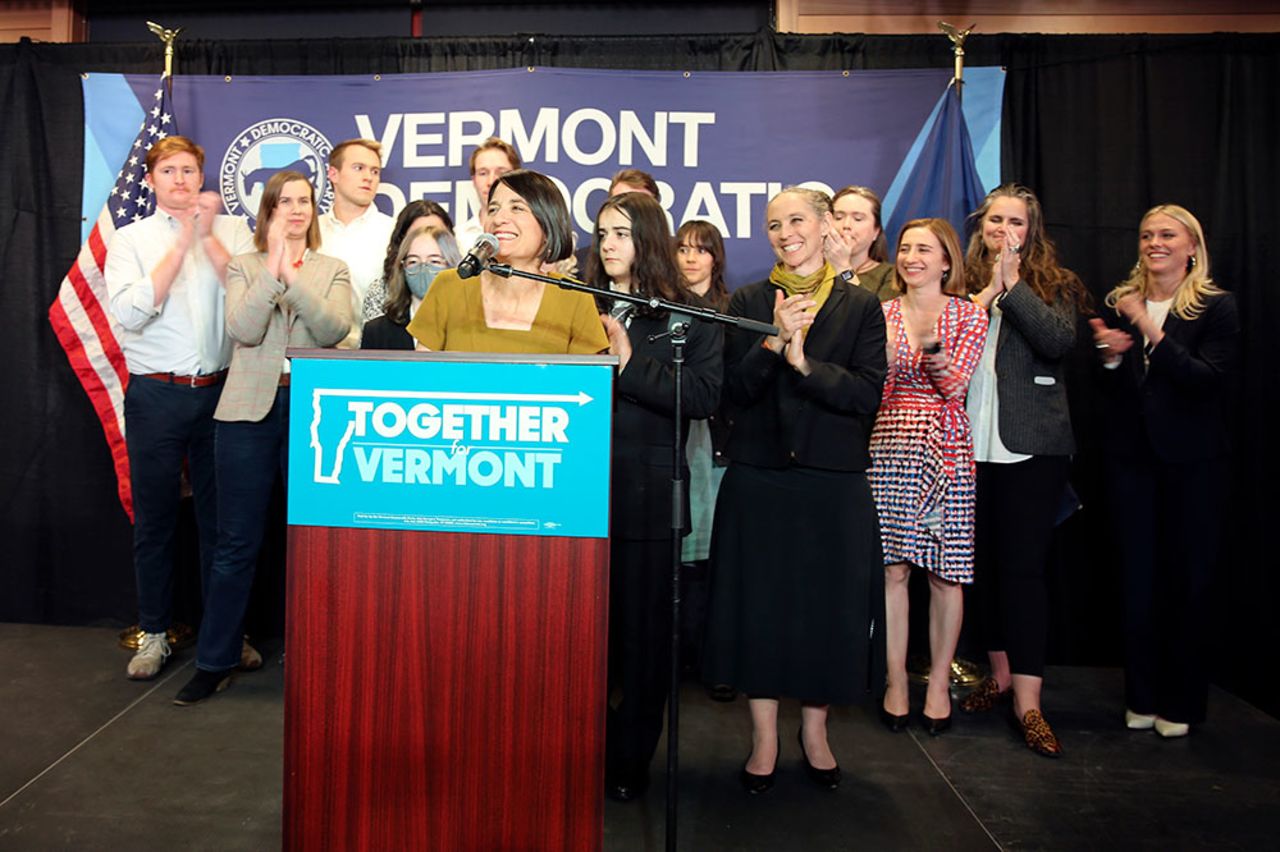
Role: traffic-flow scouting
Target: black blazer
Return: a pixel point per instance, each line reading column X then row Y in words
column 382, row 333
column 643, row 426
column 1178, row 407
column 778, row 417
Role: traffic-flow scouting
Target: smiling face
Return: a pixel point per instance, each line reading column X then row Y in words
column 176, row 181
column 617, row 251
column 796, row 232
column 855, row 218
column 296, row 209
column 508, row 217
column 1165, row 245
column 921, row 259
column 1006, row 221
column 356, row 180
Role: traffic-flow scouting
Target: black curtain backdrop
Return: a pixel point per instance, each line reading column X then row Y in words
column 1102, row 127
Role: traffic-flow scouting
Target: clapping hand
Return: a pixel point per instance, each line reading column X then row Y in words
column 790, row 315
column 619, row 340
column 208, row 206
column 1110, row 343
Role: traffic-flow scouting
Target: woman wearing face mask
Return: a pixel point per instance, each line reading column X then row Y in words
column 415, row 215
column 424, row 253
column 922, row 469
column 856, row 245
column 797, row 596
column 527, row 214
column 1169, row 346
column 632, row 254
column 286, row 294
column 1022, row 443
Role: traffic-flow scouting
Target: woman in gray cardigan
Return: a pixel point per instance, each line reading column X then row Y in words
column 1022, row 442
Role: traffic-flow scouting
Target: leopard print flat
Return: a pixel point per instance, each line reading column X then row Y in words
column 1039, row 736
column 984, row 696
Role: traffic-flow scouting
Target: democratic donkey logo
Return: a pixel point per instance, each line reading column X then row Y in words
column 270, row 146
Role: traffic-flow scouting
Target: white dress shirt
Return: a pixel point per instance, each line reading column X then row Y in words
column 362, row 245
column 467, row 233
column 185, row 334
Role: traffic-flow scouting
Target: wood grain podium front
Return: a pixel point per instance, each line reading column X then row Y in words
column 443, row 690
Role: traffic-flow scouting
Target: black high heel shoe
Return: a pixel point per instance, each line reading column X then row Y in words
column 933, row 726
column 827, row 779
column 756, row 784
column 894, row 722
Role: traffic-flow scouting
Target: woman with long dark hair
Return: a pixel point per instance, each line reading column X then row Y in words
column 1169, row 346
column 797, row 597
column 632, row 254
column 1022, row 443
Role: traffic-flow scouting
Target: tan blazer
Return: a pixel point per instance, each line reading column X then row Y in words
column 264, row 317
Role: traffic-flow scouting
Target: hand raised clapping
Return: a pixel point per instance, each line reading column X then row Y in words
column 1110, row 343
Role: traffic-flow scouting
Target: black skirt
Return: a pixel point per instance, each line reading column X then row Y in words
column 797, row 586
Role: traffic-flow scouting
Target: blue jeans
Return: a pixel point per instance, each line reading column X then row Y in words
column 249, row 457
column 163, row 424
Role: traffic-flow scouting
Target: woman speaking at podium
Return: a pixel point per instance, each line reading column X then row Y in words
column 514, row 315
column 632, row 254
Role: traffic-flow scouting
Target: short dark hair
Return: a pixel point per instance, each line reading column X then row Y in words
column 493, row 143
column 635, row 177
column 548, row 208
column 271, row 198
column 412, row 211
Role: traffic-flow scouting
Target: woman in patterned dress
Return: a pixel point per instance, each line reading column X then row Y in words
column 922, row 469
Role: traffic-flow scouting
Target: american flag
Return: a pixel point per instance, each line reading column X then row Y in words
column 79, row 315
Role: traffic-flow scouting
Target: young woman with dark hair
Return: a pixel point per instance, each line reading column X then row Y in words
column 632, row 254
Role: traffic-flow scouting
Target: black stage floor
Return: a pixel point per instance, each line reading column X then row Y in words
column 91, row 760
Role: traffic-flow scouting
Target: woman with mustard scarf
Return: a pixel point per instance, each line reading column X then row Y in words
column 797, row 595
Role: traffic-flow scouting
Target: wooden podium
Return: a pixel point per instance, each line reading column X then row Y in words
column 443, row 689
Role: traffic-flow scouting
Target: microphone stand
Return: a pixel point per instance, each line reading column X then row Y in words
column 677, row 332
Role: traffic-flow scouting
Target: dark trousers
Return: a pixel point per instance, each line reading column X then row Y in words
column 1168, row 524
column 165, row 423
column 249, row 458
column 639, row 656
column 1017, row 505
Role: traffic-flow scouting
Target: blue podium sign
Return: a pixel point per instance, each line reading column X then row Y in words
column 480, row 444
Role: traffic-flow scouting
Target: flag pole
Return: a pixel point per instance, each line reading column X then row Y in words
column 957, row 38
column 167, row 36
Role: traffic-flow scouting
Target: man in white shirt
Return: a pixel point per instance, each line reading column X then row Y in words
column 165, row 276
column 493, row 159
column 355, row 230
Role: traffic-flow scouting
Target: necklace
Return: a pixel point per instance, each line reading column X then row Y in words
column 871, row 263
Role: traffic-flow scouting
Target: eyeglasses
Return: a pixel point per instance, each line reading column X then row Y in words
column 410, row 265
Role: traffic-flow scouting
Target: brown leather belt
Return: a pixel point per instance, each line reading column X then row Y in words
column 190, row 381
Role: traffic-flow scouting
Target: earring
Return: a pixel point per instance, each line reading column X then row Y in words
column 1191, row 263
column 946, row 274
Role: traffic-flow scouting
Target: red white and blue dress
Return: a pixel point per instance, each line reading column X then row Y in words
column 922, row 469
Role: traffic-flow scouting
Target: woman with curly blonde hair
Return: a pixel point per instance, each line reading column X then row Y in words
column 1169, row 349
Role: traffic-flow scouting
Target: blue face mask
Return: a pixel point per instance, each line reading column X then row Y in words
column 418, row 277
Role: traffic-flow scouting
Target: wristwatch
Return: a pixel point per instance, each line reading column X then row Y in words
column 846, row 276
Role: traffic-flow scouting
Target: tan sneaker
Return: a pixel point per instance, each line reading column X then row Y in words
column 250, row 659
column 149, row 659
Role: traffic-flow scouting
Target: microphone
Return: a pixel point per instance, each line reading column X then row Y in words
column 473, row 264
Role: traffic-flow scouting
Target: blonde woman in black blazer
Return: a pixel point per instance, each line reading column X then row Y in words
column 1169, row 347
column 1022, row 442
